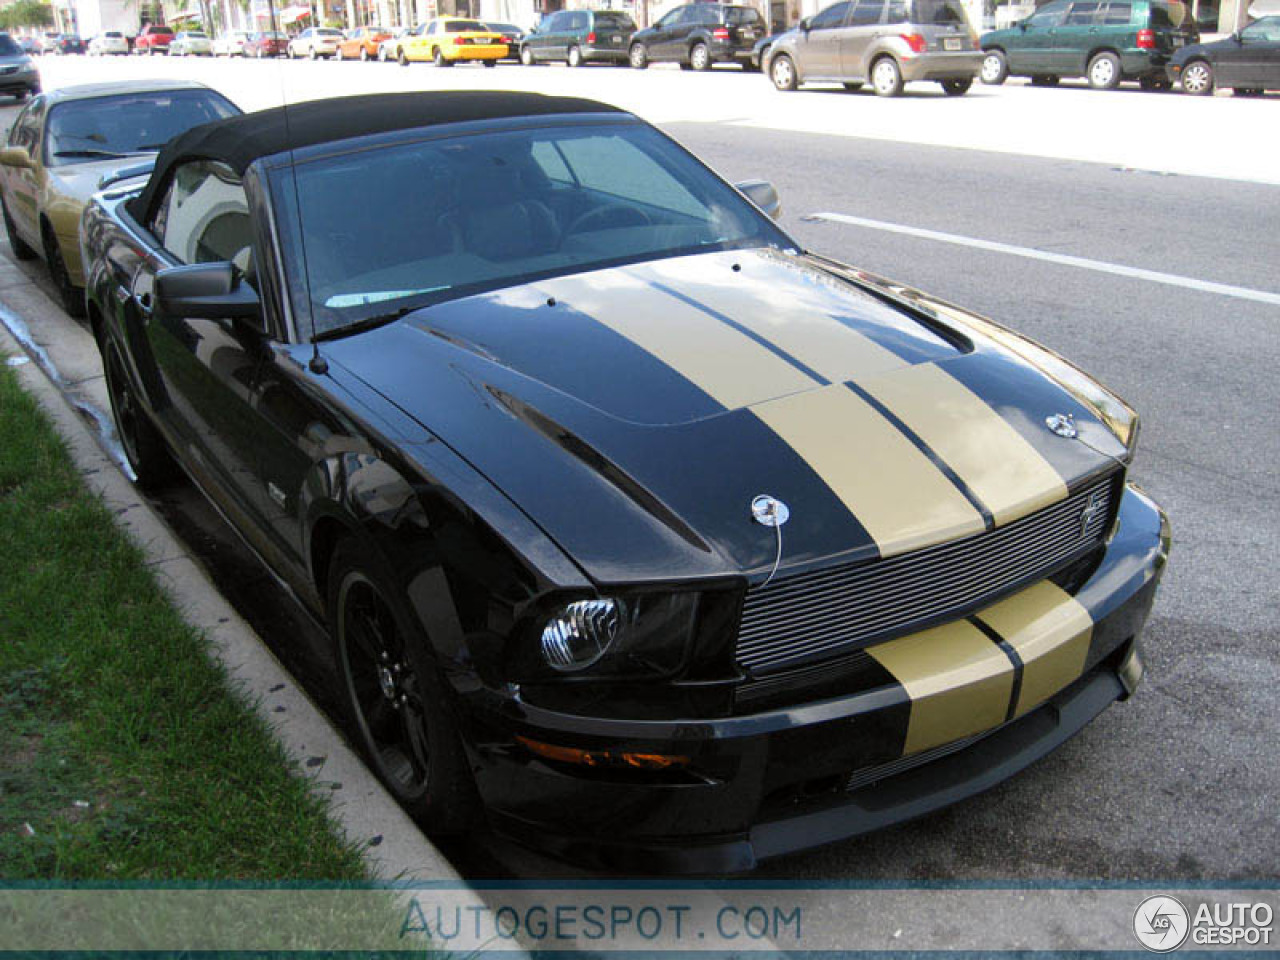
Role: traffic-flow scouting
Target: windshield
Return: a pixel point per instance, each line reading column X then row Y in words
column 942, row 12
column 445, row 218
column 464, row 26
column 608, row 19
column 80, row 131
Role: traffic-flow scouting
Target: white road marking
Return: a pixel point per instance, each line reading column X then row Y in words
column 1062, row 259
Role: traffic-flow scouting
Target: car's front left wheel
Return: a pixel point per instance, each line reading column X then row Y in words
column 143, row 446
column 71, row 296
column 783, row 73
column 1197, row 78
column 394, row 694
column 995, row 68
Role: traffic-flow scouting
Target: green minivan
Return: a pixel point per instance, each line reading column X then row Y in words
column 1105, row 41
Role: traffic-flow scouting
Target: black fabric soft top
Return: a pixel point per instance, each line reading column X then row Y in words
column 239, row 141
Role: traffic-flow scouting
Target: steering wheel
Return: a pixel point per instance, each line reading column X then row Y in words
column 611, row 215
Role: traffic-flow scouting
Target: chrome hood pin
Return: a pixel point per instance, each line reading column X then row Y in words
column 1063, row 424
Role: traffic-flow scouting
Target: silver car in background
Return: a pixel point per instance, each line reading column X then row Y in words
column 886, row 43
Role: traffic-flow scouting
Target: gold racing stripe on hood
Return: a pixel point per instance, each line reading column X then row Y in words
column 1002, row 469
column 1051, row 632
column 794, row 321
column 734, row 369
column 958, row 680
column 896, row 492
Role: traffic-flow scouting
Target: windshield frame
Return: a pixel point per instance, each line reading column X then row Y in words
column 283, row 191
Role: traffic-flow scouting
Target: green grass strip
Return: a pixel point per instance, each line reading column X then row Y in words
column 123, row 753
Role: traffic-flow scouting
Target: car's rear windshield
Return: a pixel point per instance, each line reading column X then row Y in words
column 940, row 12
column 1168, row 13
column 102, row 128
column 114, row 35
column 8, row 48
column 164, row 30
column 445, row 218
column 615, row 20
column 464, row 26
column 741, row 16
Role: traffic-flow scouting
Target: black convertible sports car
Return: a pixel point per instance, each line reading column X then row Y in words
column 675, row 545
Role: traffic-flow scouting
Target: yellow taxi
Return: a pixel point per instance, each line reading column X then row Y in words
column 446, row 40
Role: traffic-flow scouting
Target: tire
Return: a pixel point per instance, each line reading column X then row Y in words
column 1044, row 80
column 394, row 695
column 526, row 56
column 1153, row 84
column 574, row 57
column 956, row 88
column 143, row 446
column 638, row 56
column 700, row 57
column 782, row 71
column 21, row 249
column 437, row 57
column 71, row 296
column 1104, row 71
column 995, row 68
column 886, row 77
column 1197, row 78
column 853, row 86
column 402, row 58
column 489, row 63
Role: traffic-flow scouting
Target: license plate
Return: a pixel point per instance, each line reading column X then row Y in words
column 1178, row 41
column 617, row 41
column 748, row 34
column 951, row 43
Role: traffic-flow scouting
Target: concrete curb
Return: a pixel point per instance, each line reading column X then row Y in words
column 66, row 378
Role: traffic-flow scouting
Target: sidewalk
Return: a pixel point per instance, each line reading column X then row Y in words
column 66, row 379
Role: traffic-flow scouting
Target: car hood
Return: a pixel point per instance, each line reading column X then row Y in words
column 635, row 414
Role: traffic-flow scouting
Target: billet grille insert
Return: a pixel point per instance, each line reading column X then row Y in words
column 839, row 609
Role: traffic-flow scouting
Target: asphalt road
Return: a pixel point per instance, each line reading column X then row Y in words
column 1180, row 782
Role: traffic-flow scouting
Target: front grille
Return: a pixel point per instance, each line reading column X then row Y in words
column 838, row 609
column 869, row 775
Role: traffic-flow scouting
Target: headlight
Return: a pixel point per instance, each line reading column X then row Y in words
column 646, row 635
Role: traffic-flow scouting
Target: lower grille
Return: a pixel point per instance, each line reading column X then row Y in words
column 869, row 775
column 840, row 609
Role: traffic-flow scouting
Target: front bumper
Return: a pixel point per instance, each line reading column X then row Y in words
column 770, row 783
column 963, row 65
column 28, row 80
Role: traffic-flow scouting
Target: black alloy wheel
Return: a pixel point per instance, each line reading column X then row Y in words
column 71, row 296
column 143, row 446
column 394, row 695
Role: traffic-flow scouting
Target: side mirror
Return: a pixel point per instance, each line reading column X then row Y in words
column 1235, row 36
column 16, row 157
column 209, row 291
column 763, row 194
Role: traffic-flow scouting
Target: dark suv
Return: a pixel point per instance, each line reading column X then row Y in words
column 1104, row 40
column 698, row 35
column 578, row 37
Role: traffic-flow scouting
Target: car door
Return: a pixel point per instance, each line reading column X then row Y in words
column 557, row 42
column 208, row 368
column 1255, row 57
column 665, row 45
column 818, row 49
column 859, row 35
column 1073, row 40
column 22, row 184
column 1037, row 34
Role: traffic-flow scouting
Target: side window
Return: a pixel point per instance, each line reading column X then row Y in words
column 833, row 16
column 1083, row 13
column 204, row 217
column 1118, row 13
column 431, row 28
column 1047, row 16
column 867, row 12
column 20, row 127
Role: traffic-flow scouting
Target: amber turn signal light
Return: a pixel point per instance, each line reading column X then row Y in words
column 602, row 758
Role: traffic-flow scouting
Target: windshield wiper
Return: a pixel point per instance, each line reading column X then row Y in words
column 95, row 154
column 360, row 326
